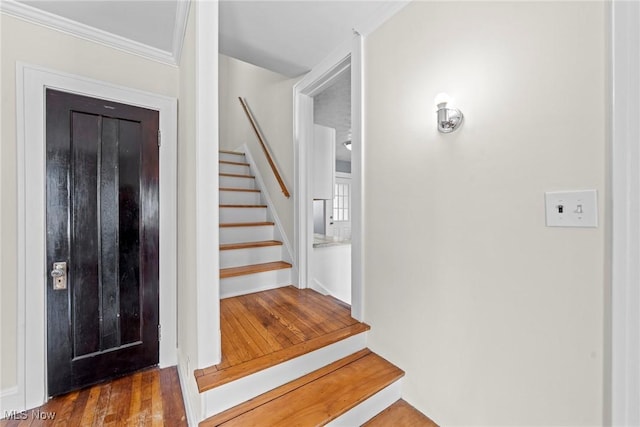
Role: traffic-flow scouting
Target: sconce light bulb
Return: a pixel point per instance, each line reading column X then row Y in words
column 442, row 98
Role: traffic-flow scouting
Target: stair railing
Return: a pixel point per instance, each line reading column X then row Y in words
column 256, row 129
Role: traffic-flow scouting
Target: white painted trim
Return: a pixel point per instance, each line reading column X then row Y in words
column 10, row 400
column 271, row 211
column 382, row 15
column 40, row 17
column 180, row 28
column 363, row 412
column 207, row 188
column 184, row 387
column 303, row 134
column 625, row 298
column 30, row 110
column 243, row 389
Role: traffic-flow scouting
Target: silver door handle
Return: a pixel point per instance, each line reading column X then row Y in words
column 59, row 274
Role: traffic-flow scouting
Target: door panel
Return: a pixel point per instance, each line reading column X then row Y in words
column 102, row 219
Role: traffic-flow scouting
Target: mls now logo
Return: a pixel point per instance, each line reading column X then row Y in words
column 16, row 415
column 24, row 415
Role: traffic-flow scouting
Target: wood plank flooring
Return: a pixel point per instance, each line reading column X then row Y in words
column 400, row 414
column 148, row 398
column 266, row 328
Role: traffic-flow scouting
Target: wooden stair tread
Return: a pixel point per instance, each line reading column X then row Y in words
column 244, row 206
column 400, row 414
column 212, row 377
column 236, row 175
column 231, row 152
column 246, row 224
column 227, row 162
column 247, row 245
column 316, row 398
column 246, row 190
column 254, row 268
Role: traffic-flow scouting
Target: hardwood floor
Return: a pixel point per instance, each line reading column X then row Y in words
column 400, row 414
column 148, row 398
column 266, row 328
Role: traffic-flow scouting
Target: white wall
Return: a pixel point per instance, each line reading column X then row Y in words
column 270, row 97
column 26, row 42
column 331, row 271
column 496, row 319
column 187, row 277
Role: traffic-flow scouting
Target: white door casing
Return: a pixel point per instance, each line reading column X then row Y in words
column 31, row 83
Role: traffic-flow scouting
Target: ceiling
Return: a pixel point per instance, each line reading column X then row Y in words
column 288, row 37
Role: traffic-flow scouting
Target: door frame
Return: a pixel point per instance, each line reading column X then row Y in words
column 624, row 392
column 348, row 54
column 31, row 81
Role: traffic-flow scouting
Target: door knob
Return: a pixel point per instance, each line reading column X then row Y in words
column 59, row 274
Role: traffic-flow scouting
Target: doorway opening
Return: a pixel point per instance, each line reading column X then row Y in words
column 330, row 262
column 346, row 60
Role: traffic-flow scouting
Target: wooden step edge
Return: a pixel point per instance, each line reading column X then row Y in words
column 246, row 224
column 244, row 270
column 236, row 175
column 249, row 245
column 211, row 377
column 400, row 413
column 245, row 206
column 260, row 400
column 244, row 190
column 304, row 392
column 227, row 162
column 231, row 152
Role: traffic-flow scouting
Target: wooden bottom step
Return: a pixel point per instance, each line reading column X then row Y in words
column 400, row 414
column 251, row 269
column 317, row 398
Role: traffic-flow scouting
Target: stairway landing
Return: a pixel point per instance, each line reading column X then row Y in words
column 267, row 328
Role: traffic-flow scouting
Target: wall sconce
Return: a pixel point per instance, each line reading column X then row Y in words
column 449, row 118
column 347, row 145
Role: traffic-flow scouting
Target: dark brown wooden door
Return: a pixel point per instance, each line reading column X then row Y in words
column 102, row 221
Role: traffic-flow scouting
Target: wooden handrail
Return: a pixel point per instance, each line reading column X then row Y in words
column 274, row 168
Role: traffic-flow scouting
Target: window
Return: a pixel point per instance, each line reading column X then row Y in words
column 341, row 203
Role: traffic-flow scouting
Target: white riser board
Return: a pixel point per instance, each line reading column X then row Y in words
column 237, row 169
column 239, row 198
column 249, row 256
column 249, row 283
column 231, row 394
column 228, row 215
column 240, row 158
column 246, row 234
column 371, row 407
column 237, row 182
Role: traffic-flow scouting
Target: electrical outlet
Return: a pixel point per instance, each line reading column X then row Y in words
column 571, row 208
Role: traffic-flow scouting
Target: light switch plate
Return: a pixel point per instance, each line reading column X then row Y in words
column 571, row 208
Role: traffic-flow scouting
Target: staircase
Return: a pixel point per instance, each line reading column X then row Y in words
column 251, row 258
column 290, row 356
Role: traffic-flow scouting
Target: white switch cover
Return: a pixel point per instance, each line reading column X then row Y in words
column 571, row 208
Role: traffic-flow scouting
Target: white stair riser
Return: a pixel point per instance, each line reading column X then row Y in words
column 235, row 182
column 246, row 234
column 239, row 198
column 243, row 215
column 232, row 157
column 238, row 169
column 249, row 256
column 249, row 283
column 371, row 407
column 236, row 392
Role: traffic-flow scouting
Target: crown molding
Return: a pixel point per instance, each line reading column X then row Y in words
column 382, row 15
column 180, row 28
column 69, row 26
